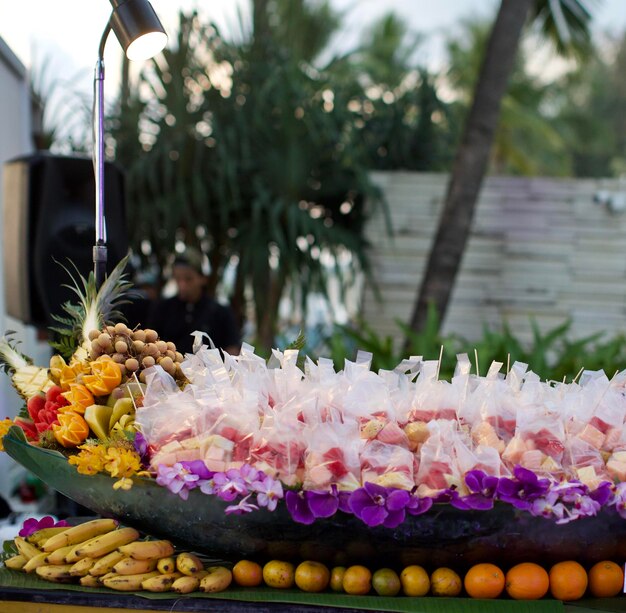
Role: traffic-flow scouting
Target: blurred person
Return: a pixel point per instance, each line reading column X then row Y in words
column 192, row 308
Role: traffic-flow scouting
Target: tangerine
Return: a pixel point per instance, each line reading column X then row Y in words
column 336, row 578
column 386, row 582
column 527, row 581
column 484, row 581
column 247, row 573
column 568, row 580
column 445, row 582
column 277, row 573
column 312, row 576
column 415, row 581
column 357, row 580
column 606, row 579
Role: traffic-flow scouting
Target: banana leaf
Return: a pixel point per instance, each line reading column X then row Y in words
column 444, row 536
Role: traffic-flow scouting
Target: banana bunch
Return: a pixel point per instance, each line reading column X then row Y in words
column 101, row 553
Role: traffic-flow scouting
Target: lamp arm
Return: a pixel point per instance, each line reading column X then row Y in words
column 99, row 249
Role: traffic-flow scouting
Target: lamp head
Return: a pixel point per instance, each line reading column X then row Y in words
column 138, row 28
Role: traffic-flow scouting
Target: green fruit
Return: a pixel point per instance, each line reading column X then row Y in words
column 123, row 406
column 386, row 582
column 98, row 417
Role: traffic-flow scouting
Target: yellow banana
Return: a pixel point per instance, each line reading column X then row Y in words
column 217, row 579
column 105, row 564
column 188, row 563
column 76, row 551
column 58, row 555
column 166, row 565
column 90, row 581
column 25, row 548
column 160, row 583
column 127, row 583
column 80, row 533
column 130, row 566
column 59, row 573
column 35, row 562
column 145, row 550
column 188, row 583
column 82, row 567
column 106, row 543
column 16, row 562
column 41, row 536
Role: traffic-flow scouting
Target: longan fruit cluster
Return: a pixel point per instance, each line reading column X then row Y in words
column 136, row 350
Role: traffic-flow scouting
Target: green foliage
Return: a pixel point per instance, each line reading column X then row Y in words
column 553, row 355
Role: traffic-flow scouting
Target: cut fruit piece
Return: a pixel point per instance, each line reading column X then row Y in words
column 123, row 406
column 98, row 417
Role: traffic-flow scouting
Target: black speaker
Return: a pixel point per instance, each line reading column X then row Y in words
column 49, row 220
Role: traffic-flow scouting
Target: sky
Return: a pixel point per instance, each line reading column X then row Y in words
column 69, row 32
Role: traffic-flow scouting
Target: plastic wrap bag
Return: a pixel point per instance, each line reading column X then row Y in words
column 387, row 465
column 438, row 469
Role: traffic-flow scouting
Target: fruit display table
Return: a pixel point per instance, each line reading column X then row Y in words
column 26, row 594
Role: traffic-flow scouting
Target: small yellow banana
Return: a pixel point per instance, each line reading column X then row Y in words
column 166, row 565
column 160, row 583
column 106, row 543
column 35, row 562
column 130, row 566
column 188, row 563
column 80, row 533
column 105, row 564
column 188, row 583
column 58, row 555
column 217, row 579
column 90, row 581
column 82, row 567
column 76, row 551
column 41, row 536
column 59, row 573
column 127, row 583
column 145, row 550
column 16, row 562
column 25, row 548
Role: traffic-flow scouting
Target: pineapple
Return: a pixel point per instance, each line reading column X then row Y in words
column 95, row 308
column 27, row 379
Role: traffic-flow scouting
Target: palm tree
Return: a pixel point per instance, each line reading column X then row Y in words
column 566, row 21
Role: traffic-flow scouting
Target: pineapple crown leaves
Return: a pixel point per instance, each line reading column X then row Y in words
column 95, row 307
column 10, row 358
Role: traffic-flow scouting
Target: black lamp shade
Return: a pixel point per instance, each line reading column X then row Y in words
column 137, row 28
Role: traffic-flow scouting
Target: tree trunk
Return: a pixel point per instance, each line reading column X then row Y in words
column 268, row 290
column 470, row 163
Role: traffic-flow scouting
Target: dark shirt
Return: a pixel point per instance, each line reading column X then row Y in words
column 175, row 320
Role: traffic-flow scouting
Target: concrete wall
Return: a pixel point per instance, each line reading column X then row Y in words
column 538, row 247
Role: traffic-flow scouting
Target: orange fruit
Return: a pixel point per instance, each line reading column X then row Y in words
column 445, row 582
column 357, row 580
column 386, row 582
column 336, row 578
column 312, row 576
column 277, row 573
column 71, row 430
column 606, row 579
column 79, row 398
column 247, row 573
column 415, row 581
column 104, row 378
column 484, row 581
column 527, row 581
column 568, row 580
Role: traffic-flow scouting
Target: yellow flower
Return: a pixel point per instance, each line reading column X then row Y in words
column 90, row 460
column 124, row 484
column 122, row 462
column 5, row 424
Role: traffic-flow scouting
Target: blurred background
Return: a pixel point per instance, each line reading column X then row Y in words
column 325, row 157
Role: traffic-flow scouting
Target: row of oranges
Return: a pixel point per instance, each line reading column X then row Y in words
column 526, row 581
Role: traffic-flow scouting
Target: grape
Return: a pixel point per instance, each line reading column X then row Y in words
column 121, row 347
column 148, row 361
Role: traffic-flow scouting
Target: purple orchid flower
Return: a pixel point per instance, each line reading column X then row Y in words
column 417, row 505
column 177, row 479
column 268, row 493
column 307, row 506
column 376, row 505
column 521, row 491
column 242, row 507
column 32, row 525
column 229, row 485
column 548, row 506
column 298, row 507
column 603, row 493
column 619, row 499
column 141, row 447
